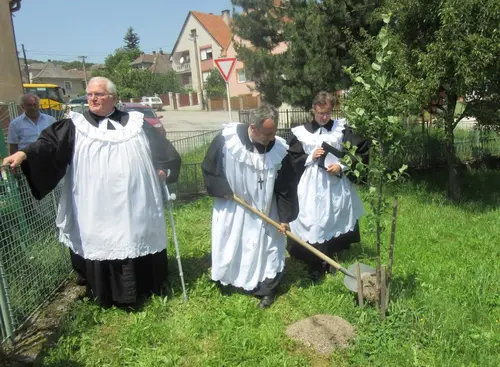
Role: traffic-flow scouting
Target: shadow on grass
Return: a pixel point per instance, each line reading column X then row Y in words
column 403, row 287
column 480, row 188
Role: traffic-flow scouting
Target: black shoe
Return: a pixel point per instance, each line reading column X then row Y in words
column 80, row 280
column 315, row 275
column 266, row 302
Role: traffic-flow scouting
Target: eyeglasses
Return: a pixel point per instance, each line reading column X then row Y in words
column 323, row 114
column 97, row 95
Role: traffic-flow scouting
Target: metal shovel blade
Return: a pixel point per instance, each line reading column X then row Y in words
column 350, row 282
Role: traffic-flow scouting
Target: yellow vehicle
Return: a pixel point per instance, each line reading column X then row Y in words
column 51, row 95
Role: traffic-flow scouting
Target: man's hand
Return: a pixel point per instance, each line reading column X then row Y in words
column 162, row 175
column 334, row 169
column 14, row 160
column 318, row 153
column 284, row 227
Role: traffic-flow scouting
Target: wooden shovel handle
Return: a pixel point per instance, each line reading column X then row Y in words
column 303, row 243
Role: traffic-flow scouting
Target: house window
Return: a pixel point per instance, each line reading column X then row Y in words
column 242, row 78
column 67, row 85
column 206, row 54
column 205, row 76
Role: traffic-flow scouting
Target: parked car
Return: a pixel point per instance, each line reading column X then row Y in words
column 79, row 100
column 149, row 115
column 154, row 102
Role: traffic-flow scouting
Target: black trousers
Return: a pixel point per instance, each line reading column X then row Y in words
column 122, row 282
column 330, row 248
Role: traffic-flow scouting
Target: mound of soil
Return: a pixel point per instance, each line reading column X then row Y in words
column 370, row 289
column 324, row 333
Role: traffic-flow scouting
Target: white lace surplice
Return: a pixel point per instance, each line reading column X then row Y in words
column 245, row 249
column 111, row 203
column 328, row 205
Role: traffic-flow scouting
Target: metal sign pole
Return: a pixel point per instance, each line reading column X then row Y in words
column 229, row 101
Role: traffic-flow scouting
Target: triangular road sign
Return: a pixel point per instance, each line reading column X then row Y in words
column 225, row 66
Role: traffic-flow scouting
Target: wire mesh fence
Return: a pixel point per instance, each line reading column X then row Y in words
column 32, row 262
column 289, row 118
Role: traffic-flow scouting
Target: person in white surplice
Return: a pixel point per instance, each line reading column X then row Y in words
column 329, row 206
column 250, row 161
column 110, row 213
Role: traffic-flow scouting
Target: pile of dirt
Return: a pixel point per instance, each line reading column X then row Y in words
column 370, row 288
column 324, row 333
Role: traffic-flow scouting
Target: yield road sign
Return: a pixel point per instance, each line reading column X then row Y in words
column 225, row 66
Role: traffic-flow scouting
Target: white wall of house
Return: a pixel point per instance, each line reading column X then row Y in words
column 77, row 87
column 11, row 86
column 239, row 82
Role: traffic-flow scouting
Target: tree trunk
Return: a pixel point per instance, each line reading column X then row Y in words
column 454, row 188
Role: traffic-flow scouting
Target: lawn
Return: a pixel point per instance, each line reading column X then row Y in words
column 445, row 308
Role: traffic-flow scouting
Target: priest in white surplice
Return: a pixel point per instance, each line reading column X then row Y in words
column 110, row 214
column 329, row 206
column 250, row 161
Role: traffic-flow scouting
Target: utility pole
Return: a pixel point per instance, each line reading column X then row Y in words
column 84, row 71
column 26, row 69
column 194, row 37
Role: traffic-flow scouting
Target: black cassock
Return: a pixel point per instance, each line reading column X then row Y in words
column 285, row 187
column 109, row 281
column 335, row 244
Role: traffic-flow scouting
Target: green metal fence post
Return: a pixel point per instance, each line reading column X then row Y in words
column 3, row 147
column 5, row 305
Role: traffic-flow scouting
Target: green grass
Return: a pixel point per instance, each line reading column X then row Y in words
column 445, row 308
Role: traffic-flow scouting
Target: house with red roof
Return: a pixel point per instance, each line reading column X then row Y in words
column 203, row 38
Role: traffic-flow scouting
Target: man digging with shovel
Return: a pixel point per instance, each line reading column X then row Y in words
column 252, row 163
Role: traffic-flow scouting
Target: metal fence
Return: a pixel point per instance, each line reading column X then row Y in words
column 32, row 262
column 289, row 118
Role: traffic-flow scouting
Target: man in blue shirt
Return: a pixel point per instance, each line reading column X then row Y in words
column 26, row 128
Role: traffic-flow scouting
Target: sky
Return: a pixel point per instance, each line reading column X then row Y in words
column 66, row 29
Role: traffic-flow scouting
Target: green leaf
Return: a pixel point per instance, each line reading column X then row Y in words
column 386, row 18
column 375, row 67
column 384, row 43
column 360, row 111
column 359, row 80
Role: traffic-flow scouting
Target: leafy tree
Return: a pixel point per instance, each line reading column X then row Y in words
column 131, row 39
column 447, row 51
column 375, row 107
column 319, row 40
column 318, row 36
column 260, row 23
column 215, row 85
column 117, row 68
column 75, row 65
column 133, row 83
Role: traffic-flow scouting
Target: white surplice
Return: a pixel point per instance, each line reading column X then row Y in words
column 245, row 249
column 328, row 205
column 111, row 202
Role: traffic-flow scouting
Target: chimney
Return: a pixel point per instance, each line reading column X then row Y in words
column 226, row 16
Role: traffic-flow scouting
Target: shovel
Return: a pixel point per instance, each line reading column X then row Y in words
column 350, row 280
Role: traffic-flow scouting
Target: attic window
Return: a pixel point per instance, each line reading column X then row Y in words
column 206, row 54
